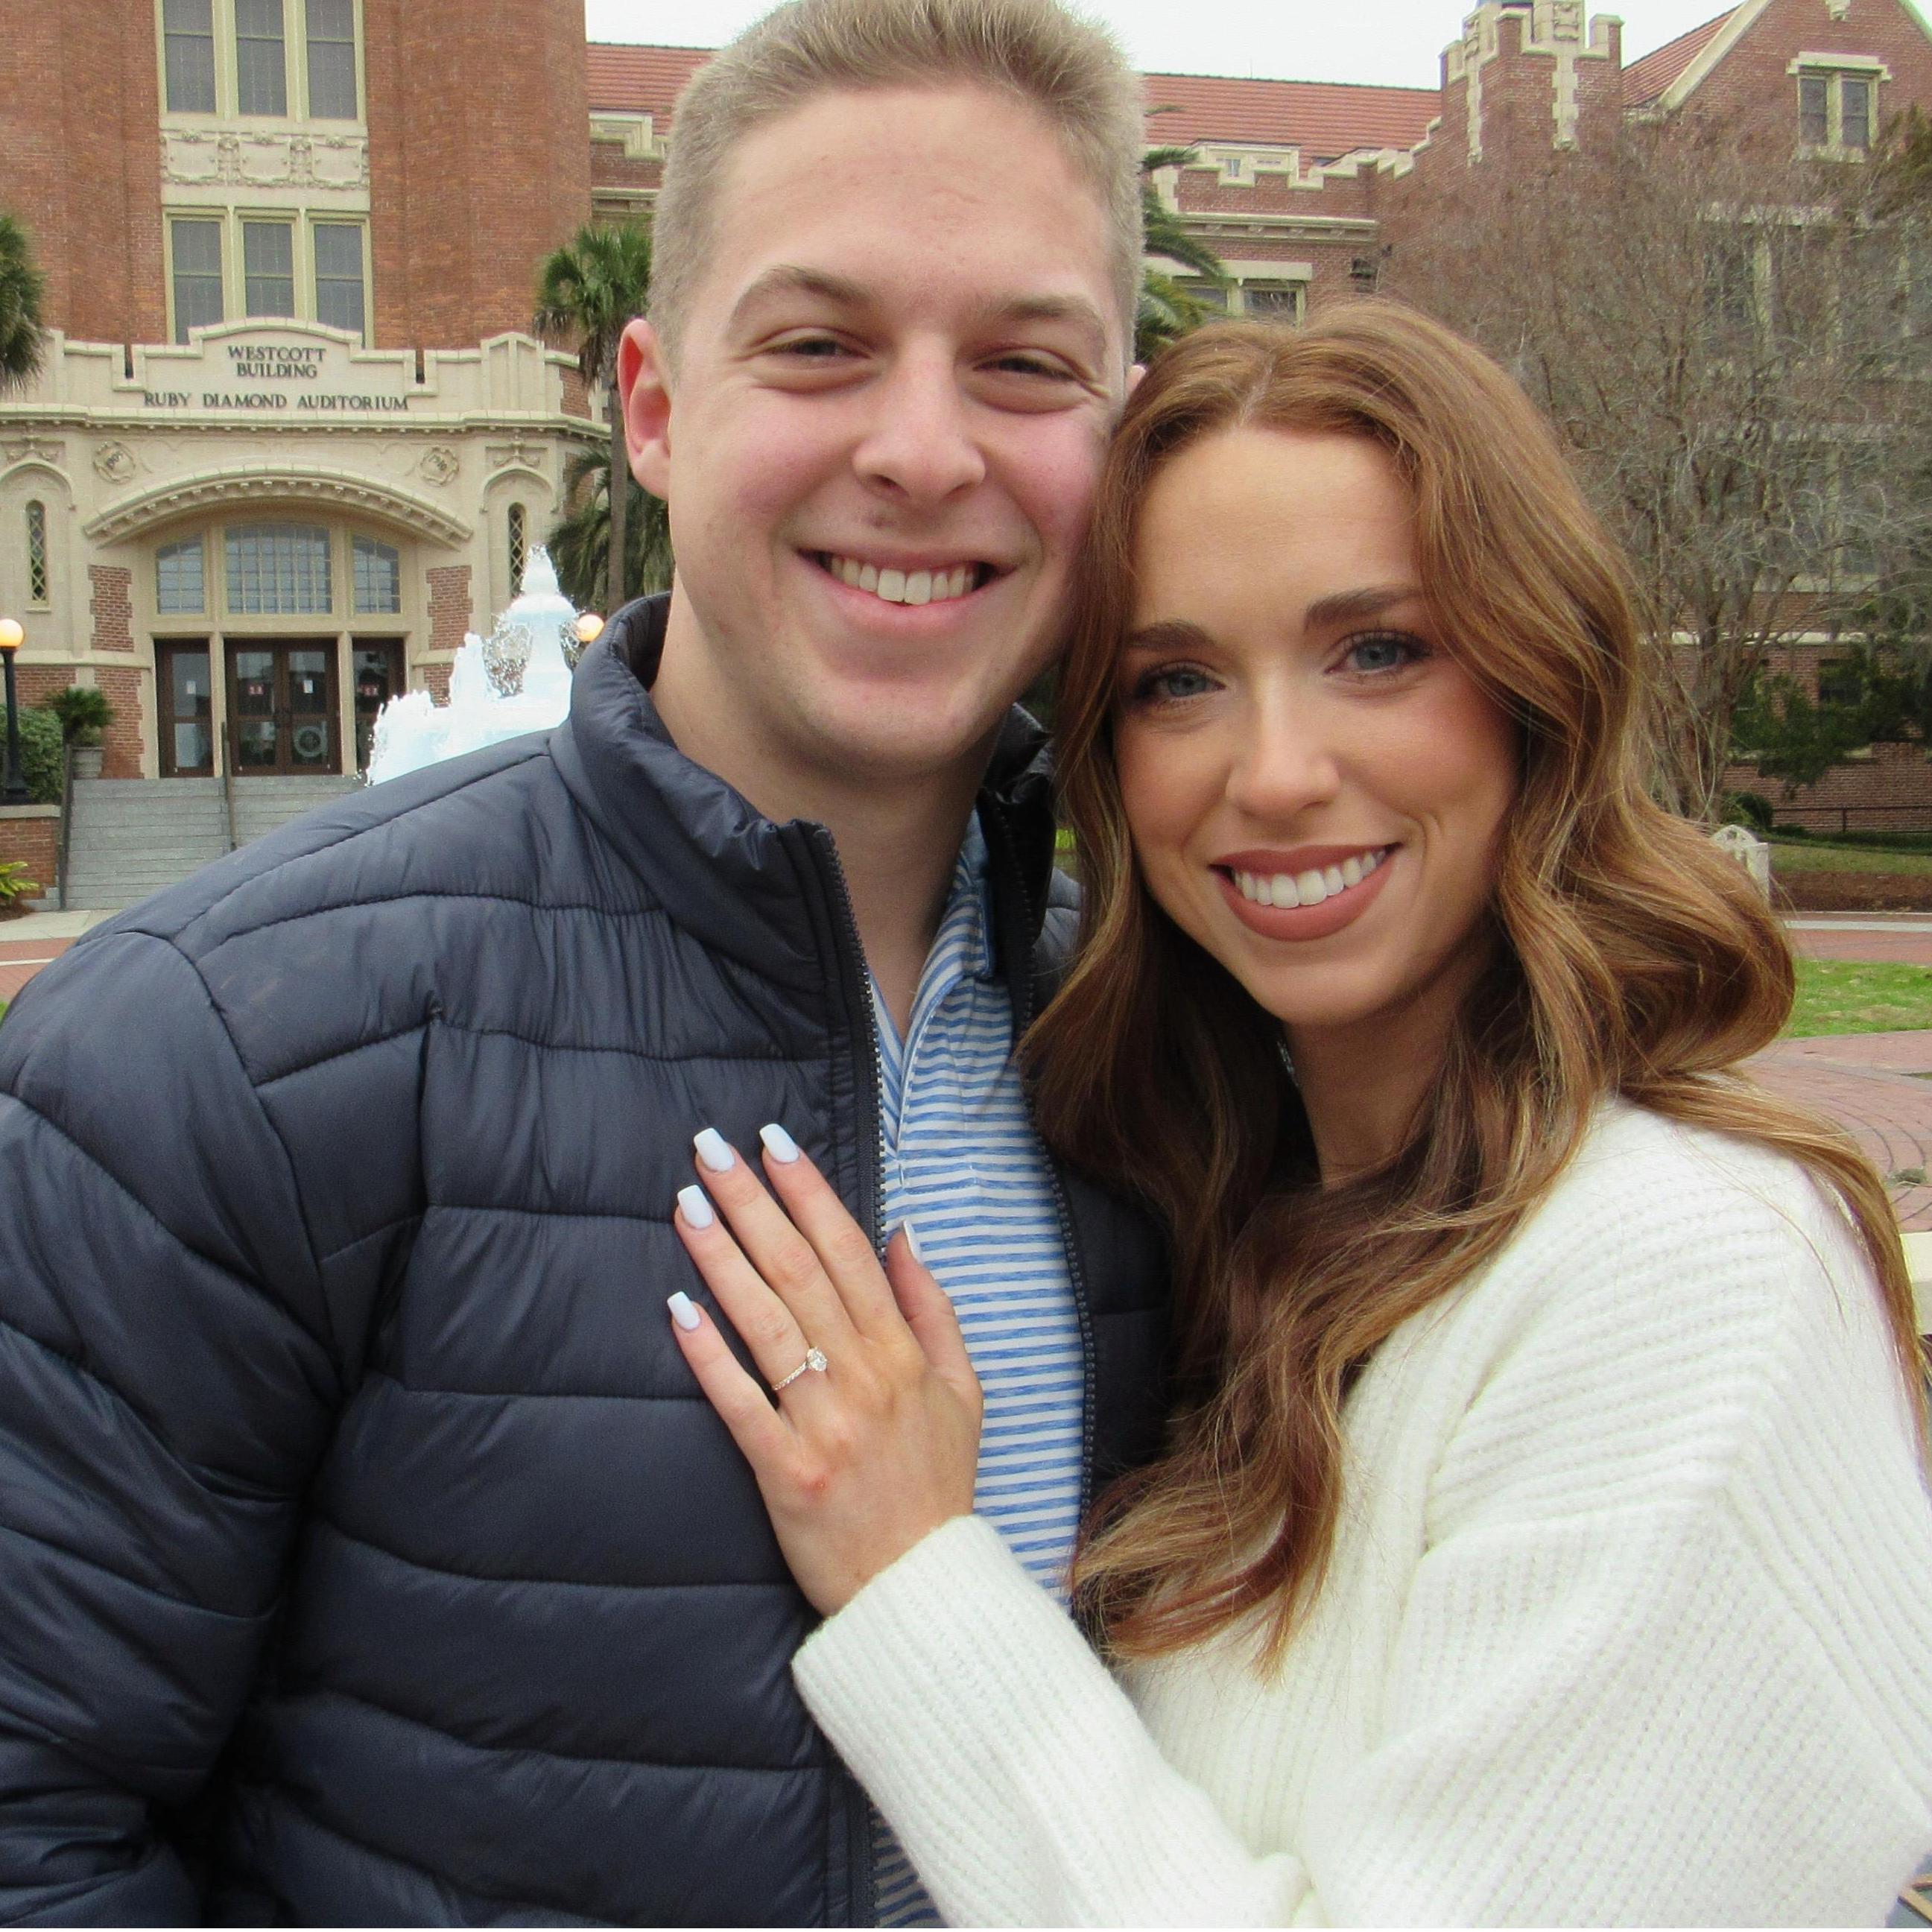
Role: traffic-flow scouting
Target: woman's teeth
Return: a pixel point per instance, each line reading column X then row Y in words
column 1310, row 888
column 905, row 586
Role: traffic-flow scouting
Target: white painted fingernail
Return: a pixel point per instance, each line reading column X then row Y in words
column 912, row 1240
column 682, row 1312
column 778, row 1143
column 697, row 1208
column 713, row 1150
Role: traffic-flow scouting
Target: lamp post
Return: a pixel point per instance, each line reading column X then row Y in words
column 14, row 791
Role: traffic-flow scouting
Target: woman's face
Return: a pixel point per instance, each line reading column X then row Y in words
column 1314, row 786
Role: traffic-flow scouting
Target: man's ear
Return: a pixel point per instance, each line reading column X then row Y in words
column 643, row 389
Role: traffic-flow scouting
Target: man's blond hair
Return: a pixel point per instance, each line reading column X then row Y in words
column 1037, row 51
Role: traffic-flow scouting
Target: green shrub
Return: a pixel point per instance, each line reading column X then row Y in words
column 1750, row 809
column 41, row 747
column 83, row 711
column 14, row 884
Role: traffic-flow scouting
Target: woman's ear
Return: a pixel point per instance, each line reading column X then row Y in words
column 643, row 389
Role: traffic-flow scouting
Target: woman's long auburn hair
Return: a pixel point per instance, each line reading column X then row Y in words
column 1631, row 959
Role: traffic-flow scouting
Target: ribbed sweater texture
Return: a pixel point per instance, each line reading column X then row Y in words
column 1629, row 1618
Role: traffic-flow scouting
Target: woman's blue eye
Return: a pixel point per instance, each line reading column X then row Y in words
column 1386, row 652
column 1169, row 683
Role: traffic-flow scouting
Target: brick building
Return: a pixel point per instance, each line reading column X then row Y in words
column 292, row 439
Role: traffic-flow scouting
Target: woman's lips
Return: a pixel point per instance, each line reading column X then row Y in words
column 1335, row 910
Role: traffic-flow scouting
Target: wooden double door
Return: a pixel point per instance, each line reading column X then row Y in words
column 284, row 717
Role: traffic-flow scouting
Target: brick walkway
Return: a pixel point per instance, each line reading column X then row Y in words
column 20, row 959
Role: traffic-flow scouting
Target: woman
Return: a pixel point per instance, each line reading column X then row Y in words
column 1533, row 1540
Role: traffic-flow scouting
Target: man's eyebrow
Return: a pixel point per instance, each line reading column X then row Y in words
column 1344, row 607
column 788, row 279
column 1075, row 309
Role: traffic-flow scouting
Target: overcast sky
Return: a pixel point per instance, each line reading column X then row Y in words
column 1396, row 42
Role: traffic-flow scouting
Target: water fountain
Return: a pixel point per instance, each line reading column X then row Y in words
column 516, row 680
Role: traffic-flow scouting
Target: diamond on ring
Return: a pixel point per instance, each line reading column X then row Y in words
column 813, row 1360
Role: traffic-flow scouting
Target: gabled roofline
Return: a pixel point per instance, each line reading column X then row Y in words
column 1743, row 17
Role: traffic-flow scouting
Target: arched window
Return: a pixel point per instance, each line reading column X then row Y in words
column 37, row 552
column 278, row 569
column 519, row 549
column 379, row 578
column 179, row 586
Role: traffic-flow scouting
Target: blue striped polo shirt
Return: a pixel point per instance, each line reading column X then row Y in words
column 962, row 1163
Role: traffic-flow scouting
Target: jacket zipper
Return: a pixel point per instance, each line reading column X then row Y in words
column 855, row 981
column 1069, row 1239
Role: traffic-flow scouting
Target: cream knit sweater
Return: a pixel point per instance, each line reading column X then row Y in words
column 1630, row 1618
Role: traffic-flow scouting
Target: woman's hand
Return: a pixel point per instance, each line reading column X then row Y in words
column 858, row 1459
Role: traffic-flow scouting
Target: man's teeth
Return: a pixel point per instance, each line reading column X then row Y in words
column 905, row 586
column 1310, row 888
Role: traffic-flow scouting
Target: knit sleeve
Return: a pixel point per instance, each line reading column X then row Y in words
column 1651, row 1659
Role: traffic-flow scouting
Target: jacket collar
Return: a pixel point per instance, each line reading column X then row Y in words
column 740, row 883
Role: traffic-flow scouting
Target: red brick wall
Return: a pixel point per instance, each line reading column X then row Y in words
column 37, row 842
column 1890, row 791
column 434, row 678
column 1750, row 88
column 80, row 131
column 113, row 606
column 478, row 162
column 128, row 691
column 449, row 608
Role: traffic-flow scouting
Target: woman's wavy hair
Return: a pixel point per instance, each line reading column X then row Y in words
column 1632, row 958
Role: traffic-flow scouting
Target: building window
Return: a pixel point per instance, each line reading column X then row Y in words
column 379, row 578
column 1272, row 301
column 188, row 33
column 37, row 552
column 1835, row 112
column 179, row 585
column 339, row 299
column 519, row 546
column 261, row 58
column 330, row 28
column 268, row 268
column 196, row 247
column 278, row 570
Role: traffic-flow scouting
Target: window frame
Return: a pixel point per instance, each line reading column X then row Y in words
column 39, row 557
column 295, row 68
column 303, row 222
column 1835, row 72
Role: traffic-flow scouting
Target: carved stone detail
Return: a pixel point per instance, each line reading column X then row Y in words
column 195, row 158
column 520, row 454
column 114, row 462
column 440, row 463
column 34, row 449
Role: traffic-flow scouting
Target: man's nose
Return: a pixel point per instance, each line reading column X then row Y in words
column 1288, row 760
column 919, row 446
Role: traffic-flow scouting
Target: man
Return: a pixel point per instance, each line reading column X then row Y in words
column 366, row 1553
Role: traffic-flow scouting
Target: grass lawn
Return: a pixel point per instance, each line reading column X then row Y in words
column 1811, row 856
column 1854, row 996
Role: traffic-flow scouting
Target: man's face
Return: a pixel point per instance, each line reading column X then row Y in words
column 880, row 442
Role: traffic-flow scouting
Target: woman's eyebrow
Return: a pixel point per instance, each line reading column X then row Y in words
column 1171, row 633
column 1344, row 607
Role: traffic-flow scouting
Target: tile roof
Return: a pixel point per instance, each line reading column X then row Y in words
column 1645, row 80
column 1323, row 118
column 641, row 80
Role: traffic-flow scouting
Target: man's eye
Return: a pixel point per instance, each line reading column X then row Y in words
column 810, row 348
column 1384, row 652
column 1032, row 365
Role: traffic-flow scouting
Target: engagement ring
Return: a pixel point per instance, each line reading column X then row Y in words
column 813, row 1360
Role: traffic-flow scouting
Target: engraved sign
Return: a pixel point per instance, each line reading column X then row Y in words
column 277, row 372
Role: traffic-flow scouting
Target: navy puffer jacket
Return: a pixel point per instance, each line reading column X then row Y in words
column 366, row 1553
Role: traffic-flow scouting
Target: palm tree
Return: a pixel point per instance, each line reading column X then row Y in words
column 586, row 291
column 580, row 542
column 21, row 337
column 1167, row 310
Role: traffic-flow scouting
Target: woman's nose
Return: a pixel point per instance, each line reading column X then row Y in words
column 1286, row 763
